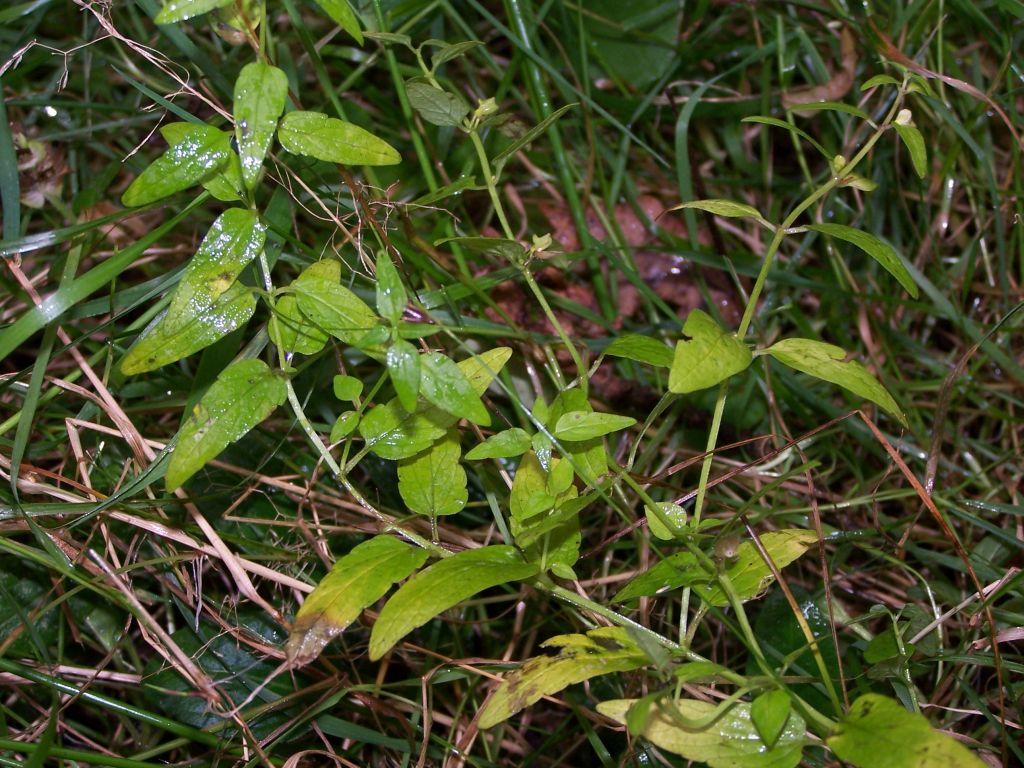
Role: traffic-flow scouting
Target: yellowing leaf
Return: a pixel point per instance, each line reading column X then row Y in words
column 599, row 652
column 729, row 741
column 199, row 156
column 873, row 247
column 441, row 586
column 260, row 93
column 828, row 362
column 709, row 358
column 243, row 395
column 314, row 134
column 357, row 580
column 433, row 483
column 879, row 731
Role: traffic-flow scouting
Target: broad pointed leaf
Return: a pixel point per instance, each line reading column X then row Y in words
column 709, row 358
column 873, row 247
column 260, row 93
column 331, row 306
column 243, row 395
column 770, row 712
column 436, row 106
column 433, row 483
column 341, row 13
column 444, row 584
column 225, row 185
column 643, row 349
column 292, row 331
column 503, row 445
column 358, row 579
column 581, row 425
column 199, row 156
column 391, row 293
column 314, row 134
column 446, row 386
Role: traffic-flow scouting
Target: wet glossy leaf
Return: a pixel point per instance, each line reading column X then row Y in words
column 403, row 363
column 260, row 93
column 433, row 483
column 589, row 456
column 560, row 477
column 581, row 425
column 344, row 426
column 728, row 208
column 434, row 105
column 243, row 395
column 392, row 432
column 314, row 134
column 445, row 385
column 347, row 387
column 770, row 712
column 873, row 247
column 225, row 185
column 667, row 522
column 643, row 349
column 444, row 584
column 180, row 10
column 358, row 579
column 829, row 363
column 730, row 741
column 341, row 13
column 879, row 731
column 914, row 142
column 199, row 156
column 503, row 445
column 235, row 238
column 292, row 331
column 168, row 338
column 582, row 657
column 709, row 358
column 331, row 306
column 391, row 294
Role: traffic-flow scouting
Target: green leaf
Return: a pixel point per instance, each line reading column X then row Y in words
column 243, row 395
column 168, row 339
column 729, row 741
column 331, row 306
column 344, row 426
column 873, row 247
column 358, row 579
column 180, row 10
column 235, row 238
column 447, row 387
column 747, row 571
column 347, row 387
column 643, row 349
column 199, row 156
column 391, row 294
column 770, row 712
column 581, row 425
column 543, row 524
column 314, row 134
column 709, row 358
column 582, row 657
column 435, row 106
column 341, row 13
column 877, row 80
column 260, row 93
column 441, row 586
column 532, row 134
column 393, row 433
column 667, row 522
column 449, row 51
column 403, row 363
column 879, row 731
column 828, row 362
column 509, row 250
column 775, row 122
column 914, row 142
column 433, row 483
column 728, row 208
column 291, row 331
column 503, row 445
column 832, row 106
column 227, row 185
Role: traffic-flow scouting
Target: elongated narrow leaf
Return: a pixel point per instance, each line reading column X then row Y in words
column 314, row 134
column 832, row 106
column 879, row 731
column 775, row 122
column 403, row 362
column 728, row 208
column 392, row 432
column 643, row 349
column 914, row 142
column 331, row 306
column 749, row 574
column 581, row 425
column 436, row 106
column 243, row 395
column 729, row 741
column 359, row 579
column 447, row 387
column 873, row 247
column 235, row 238
column 180, row 10
column 260, row 93
column 877, row 80
column 433, row 483
column 199, row 156
column 533, row 133
column 444, row 584
column 503, row 445
column 169, row 338
column 599, row 652
column 829, row 363
column 341, row 13
column 709, row 358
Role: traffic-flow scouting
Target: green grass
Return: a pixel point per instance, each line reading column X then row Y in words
column 118, row 614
